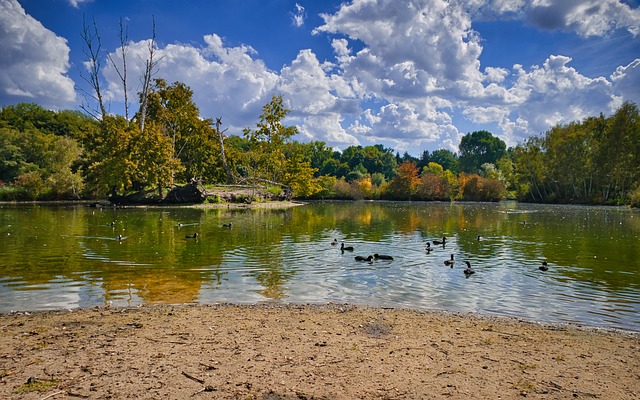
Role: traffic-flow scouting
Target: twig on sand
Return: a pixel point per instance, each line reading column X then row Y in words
column 193, row 378
column 53, row 394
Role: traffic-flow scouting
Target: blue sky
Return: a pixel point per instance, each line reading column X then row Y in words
column 413, row 75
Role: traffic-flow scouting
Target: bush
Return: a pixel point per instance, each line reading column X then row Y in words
column 634, row 198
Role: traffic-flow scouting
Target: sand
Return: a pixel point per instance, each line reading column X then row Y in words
column 307, row 352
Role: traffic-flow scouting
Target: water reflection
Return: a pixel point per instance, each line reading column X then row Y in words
column 71, row 257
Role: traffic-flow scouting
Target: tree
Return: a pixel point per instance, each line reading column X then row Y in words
column 268, row 142
column 406, row 181
column 478, row 148
column 447, row 158
column 130, row 159
column 193, row 140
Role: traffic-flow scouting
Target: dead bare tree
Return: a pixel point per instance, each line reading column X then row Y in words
column 91, row 49
column 149, row 71
column 230, row 177
column 122, row 74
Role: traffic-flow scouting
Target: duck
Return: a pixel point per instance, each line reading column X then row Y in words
column 361, row 258
column 229, row 225
column 544, row 266
column 480, row 238
column 382, row 257
column 428, row 247
column 443, row 242
column 120, row 238
column 346, row 248
column 468, row 271
column 194, row 236
column 335, row 242
column 449, row 262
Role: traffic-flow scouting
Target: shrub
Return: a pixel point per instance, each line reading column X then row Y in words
column 634, row 198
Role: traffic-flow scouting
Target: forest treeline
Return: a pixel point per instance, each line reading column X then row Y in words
column 69, row 155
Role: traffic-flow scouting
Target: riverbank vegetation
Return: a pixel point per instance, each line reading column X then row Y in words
column 47, row 155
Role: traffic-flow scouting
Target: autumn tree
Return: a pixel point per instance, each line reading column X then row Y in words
column 404, row 184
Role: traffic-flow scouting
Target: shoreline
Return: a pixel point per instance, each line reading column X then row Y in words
column 321, row 351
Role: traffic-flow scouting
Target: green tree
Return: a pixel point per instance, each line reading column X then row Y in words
column 193, row 141
column 479, row 147
column 447, row 158
column 130, row 159
column 273, row 157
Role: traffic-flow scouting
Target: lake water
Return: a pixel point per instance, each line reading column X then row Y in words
column 70, row 256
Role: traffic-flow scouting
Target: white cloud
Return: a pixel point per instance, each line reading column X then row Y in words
column 495, row 75
column 298, row 16
column 76, row 3
column 556, row 93
column 626, row 80
column 33, row 61
column 585, row 17
column 402, row 74
column 226, row 81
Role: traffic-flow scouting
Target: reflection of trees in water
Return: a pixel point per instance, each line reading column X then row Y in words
column 157, row 264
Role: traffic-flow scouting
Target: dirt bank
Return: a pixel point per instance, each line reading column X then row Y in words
column 306, row 352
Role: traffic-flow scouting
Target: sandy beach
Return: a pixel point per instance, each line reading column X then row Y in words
column 307, row 352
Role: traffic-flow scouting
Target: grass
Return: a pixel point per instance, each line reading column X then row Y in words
column 34, row 385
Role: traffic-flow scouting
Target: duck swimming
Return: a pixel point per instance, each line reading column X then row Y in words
column 468, row 271
column 194, row 236
column 335, row 242
column 449, row 262
column 229, row 225
column 428, row 247
column 361, row 258
column 443, row 242
column 346, row 248
column 480, row 238
column 382, row 257
column 544, row 266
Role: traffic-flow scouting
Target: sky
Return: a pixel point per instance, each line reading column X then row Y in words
column 412, row 75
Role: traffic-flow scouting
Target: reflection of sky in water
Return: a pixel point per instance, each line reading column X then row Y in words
column 263, row 259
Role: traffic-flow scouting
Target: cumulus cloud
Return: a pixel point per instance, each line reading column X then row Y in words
column 227, row 81
column 585, row 17
column 33, row 61
column 556, row 93
column 401, row 74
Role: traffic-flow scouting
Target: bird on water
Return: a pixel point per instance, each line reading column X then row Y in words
column 346, row 248
column 429, row 249
column 442, row 242
column 449, row 262
column 382, row 257
column 468, row 271
column 362, row 258
column 544, row 266
column 194, row 236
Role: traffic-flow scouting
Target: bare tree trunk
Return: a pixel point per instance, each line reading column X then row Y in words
column 92, row 48
column 124, row 38
column 230, row 178
column 146, row 80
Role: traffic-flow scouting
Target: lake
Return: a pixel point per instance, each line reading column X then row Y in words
column 63, row 257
